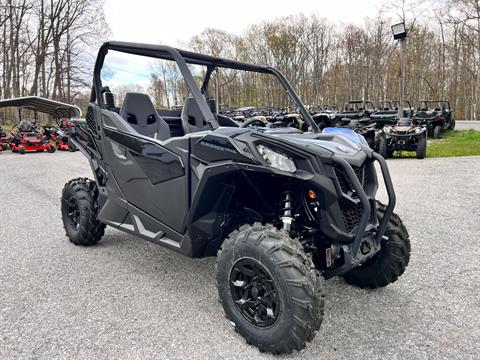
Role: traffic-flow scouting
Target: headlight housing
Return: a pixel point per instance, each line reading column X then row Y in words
column 276, row 160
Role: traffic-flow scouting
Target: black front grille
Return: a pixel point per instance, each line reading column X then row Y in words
column 345, row 184
column 352, row 216
column 352, row 212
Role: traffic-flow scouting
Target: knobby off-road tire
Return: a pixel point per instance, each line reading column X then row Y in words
column 421, row 150
column 390, row 262
column 383, row 147
column 452, row 125
column 298, row 289
column 79, row 212
column 437, row 132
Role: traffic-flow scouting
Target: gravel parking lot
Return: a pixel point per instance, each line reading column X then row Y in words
column 129, row 299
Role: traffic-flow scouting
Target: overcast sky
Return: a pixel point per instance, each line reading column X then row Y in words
column 172, row 21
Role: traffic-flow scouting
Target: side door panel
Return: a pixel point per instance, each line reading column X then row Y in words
column 152, row 177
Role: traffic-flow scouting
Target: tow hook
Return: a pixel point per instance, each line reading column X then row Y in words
column 365, row 247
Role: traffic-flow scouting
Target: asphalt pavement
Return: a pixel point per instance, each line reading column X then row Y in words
column 467, row 125
column 130, row 299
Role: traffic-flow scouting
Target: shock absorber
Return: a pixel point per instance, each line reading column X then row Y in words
column 287, row 217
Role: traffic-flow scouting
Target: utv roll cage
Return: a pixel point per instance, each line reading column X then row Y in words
column 358, row 105
column 424, row 105
column 182, row 58
column 393, row 105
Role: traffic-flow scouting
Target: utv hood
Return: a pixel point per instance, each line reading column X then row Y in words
column 339, row 141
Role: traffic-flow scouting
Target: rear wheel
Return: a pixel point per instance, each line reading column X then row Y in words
column 452, row 125
column 269, row 288
column 437, row 132
column 51, row 148
column 79, row 212
column 21, row 149
column 421, row 148
column 390, row 262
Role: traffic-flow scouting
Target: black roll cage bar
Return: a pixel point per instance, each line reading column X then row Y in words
column 426, row 102
column 182, row 58
column 392, row 104
column 363, row 102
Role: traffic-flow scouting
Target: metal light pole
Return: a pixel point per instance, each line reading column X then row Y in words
column 400, row 33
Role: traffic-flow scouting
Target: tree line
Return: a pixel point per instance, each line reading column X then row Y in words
column 328, row 65
column 45, row 47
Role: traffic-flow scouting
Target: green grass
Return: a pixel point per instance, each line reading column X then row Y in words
column 455, row 143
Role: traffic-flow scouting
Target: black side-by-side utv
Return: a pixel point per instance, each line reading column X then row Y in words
column 436, row 115
column 281, row 209
column 355, row 110
column 387, row 113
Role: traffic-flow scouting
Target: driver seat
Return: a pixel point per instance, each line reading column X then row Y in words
column 139, row 112
column 192, row 118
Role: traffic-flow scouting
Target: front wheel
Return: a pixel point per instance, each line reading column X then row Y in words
column 51, row 148
column 79, row 212
column 421, row 151
column 269, row 288
column 437, row 132
column 383, row 147
column 391, row 260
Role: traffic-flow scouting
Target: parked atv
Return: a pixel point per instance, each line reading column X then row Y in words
column 364, row 127
column 356, row 110
column 290, row 117
column 281, row 209
column 324, row 116
column 405, row 136
column 387, row 113
column 436, row 115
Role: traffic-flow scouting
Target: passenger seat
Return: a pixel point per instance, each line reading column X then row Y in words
column 139, row 112
column 192, row 118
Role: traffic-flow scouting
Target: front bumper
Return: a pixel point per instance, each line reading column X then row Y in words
column 405, row 142
column 367, row 228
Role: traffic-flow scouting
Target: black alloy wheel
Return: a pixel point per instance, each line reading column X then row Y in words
column 254, row 292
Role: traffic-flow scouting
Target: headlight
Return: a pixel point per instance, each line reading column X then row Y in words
column 387, row 129
column 277, row 160
column 418, row 130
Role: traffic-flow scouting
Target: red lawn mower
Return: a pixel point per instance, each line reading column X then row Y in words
column 27, row 136
column 60, row 133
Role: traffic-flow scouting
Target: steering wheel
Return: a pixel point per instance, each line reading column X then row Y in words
column 253, row 122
